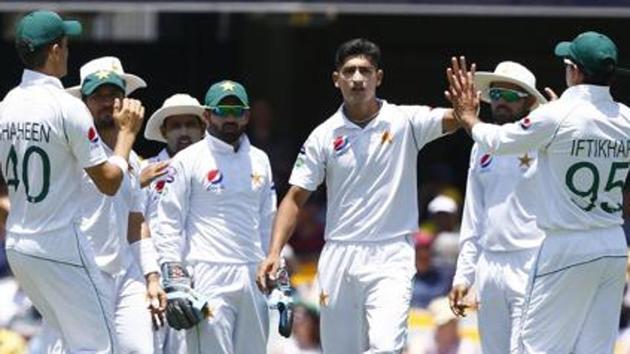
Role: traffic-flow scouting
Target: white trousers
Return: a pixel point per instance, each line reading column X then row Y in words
column 168, row 340
column 132, row 320
column 573, row 305
column 240, row 318
column 58, row 273
column 501, row 284
column 365, row 295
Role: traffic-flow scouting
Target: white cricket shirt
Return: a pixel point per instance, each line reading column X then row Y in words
column 105, row 218
column 47, row 138
column 154, row 190
column 222, row 201
column 583, row 142
column 370, row 172
column 489, row 221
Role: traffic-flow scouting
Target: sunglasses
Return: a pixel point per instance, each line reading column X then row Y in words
column 507, row 95
column 225, row 111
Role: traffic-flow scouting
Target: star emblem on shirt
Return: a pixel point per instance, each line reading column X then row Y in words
column 323, row 298
column 228, row 86
column 387, row 137
column 103, row 74
column 257, row 179
column 525, row 160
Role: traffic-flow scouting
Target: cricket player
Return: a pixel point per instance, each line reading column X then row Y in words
column 366, row 152
column 496, row 249
column 113, row 224
column 573, row 301
column 47, row 141
column 178, row 123
column 219, row 195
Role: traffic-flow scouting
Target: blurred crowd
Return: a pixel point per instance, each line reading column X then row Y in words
column 433, row 329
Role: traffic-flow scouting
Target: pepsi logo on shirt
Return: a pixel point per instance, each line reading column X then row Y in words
column 485, row 161
column 340, row 144
column 214, row 179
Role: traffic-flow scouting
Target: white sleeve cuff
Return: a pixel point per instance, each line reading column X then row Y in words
column 145, row 254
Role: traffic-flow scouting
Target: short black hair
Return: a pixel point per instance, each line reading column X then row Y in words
column 34, row 58
column 601, row 79
column 355, row 47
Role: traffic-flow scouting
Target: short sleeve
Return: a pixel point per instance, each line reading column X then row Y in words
column 426, row 123
column 309, row 168
column 84, row 141
column 532, row 132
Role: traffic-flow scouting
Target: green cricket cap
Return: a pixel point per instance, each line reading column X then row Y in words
column 592, row 51
column 224, row 89
column 41, row 27
column 99, row 78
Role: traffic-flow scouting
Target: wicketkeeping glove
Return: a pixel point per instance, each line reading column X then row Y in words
column 185, row 307
column 281, row 299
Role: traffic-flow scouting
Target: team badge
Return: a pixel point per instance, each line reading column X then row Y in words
column 92, row 135
column 525, row 161
column 525, row 123
column 485, row 160
column 340, row 144
column 257, row 179
column 215, row 179
column 387, row 137
column 301, row 157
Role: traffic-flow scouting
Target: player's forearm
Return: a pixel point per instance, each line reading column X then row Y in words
column 134, row 227
column 124, row 143
column 107, row 177
column 284, row 226
column 286, row 218
column 468, row 120
column 449, row 122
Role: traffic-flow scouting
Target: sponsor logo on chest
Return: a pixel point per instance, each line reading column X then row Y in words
column 214, row 180
column 341, row 145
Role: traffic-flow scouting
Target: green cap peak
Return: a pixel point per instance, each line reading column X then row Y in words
column 224, row 89
column 592, row 51
column 99, row 78
column 41, row 27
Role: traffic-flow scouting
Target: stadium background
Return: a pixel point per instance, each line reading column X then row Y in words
column 283, row 53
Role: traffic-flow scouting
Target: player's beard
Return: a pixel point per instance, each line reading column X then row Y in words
column 228, row 132
column 104, row 122
column 503, row 114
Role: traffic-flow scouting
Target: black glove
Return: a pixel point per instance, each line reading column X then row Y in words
column 184, row 308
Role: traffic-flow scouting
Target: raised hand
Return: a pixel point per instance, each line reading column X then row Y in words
column 461, row 92
column 153, row 171
column 128, row 115
column 551, row 94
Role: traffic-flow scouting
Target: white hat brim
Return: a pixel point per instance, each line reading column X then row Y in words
column 132, row 83
column 152, row 130
column 483, row 79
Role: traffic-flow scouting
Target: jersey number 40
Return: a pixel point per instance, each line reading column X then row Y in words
column 13, row 178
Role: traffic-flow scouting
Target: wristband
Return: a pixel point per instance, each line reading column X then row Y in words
column 146, row 256
column 120, row 162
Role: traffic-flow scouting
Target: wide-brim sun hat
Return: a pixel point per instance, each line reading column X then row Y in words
column 511, row 72
column 178, row 104
column 104, row 64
